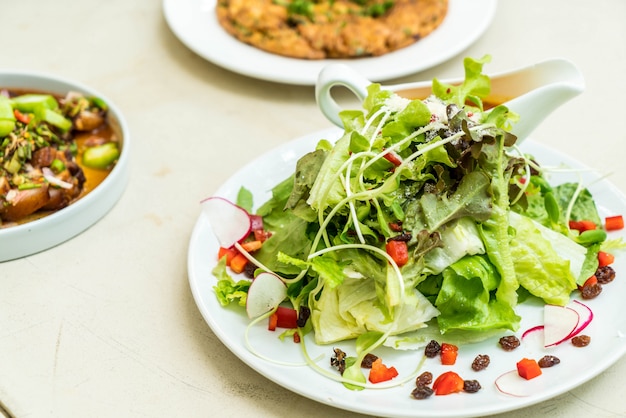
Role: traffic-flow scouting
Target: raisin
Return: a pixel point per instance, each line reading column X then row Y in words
column 591, row 291
column 405, row 236
column 339, row 360
column 249, row 270
column 471, row 386
column 422, row 392
column 432, row 349
column 481, row 362
column 509, row 343
column 368, row 360
column 548, row 361
column 303, row 315
column 424, row 379
column 581, row 340
column 605, row 274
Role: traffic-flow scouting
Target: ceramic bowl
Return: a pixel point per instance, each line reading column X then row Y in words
column 41, row 234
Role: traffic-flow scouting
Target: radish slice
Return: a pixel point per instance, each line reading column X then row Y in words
column 559, row 323
column 585, row 315
column 266, row 292
column 512, row 384
column 230, row 222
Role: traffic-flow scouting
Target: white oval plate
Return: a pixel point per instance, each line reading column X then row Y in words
column 578, row 365
column 49, row 231
column 194, row 22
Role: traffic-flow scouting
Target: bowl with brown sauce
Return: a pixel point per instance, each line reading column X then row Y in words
column 63, row 160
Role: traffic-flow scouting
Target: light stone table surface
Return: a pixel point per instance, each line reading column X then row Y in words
column 105, row 324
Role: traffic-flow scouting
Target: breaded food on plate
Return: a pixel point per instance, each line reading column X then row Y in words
column 330, row 28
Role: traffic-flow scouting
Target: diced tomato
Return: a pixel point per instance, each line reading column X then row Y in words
column 605, row 259
column 593, row 280
column 261, row 235
column 613, row 223
column 582, row 226
column 380, row 372
column 286, row 317
column 398, row 251
column 229, row 253
column 448, row 354
column 528, row 368
column 447, row 383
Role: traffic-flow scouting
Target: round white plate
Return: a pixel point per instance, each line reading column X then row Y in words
column 578, row 365
column 42, row 234
column 194, row 22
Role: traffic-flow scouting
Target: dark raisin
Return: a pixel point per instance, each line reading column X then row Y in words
column 509, row 343
column 249, row 270
column 405, row 236
column 338, row 360
column 481, row 362
column 432, row 349
column 590, row 291
column 368, row 360
column 581, row 340
column 605, row 274
column 303, row 316
column 422, row 392
column 424, row 379
column 471, row 386
column 548, row 361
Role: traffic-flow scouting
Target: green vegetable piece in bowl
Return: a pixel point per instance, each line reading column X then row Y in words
column 101, row 156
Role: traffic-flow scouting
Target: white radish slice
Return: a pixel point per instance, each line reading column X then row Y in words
column 266, row 292
column 512, row 384
column 558, row 324
column 230, row 223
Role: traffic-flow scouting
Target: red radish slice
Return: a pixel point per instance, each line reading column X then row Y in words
column 230, row 222
column 559, row 323
column 266, row 292
column 512, row 384
column 585, row 315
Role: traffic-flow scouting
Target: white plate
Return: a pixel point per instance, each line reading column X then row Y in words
column 194, row 22
column 578, row 365
column 42, row 234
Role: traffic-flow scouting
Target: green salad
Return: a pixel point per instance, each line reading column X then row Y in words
column 423, row 219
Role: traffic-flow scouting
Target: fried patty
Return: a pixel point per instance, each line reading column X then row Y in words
column 330, row 28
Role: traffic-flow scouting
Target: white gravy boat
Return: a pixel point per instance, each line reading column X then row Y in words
column 532, row 92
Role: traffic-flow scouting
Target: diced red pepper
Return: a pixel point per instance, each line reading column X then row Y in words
column 582, row 226
column 229, row 253
column 447, row 383
column 380, row 372
column 393, row 158
column 613, row 223
column 398, row 251
column 528, row 368
column 273, row 322
column 24, row 118
column 605, row 259
column 286, row 317
column 296, row 337
column 251, row 246
column 448, row 354
column 238, row 263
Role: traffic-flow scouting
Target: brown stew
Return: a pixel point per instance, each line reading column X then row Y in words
column 53, row 151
